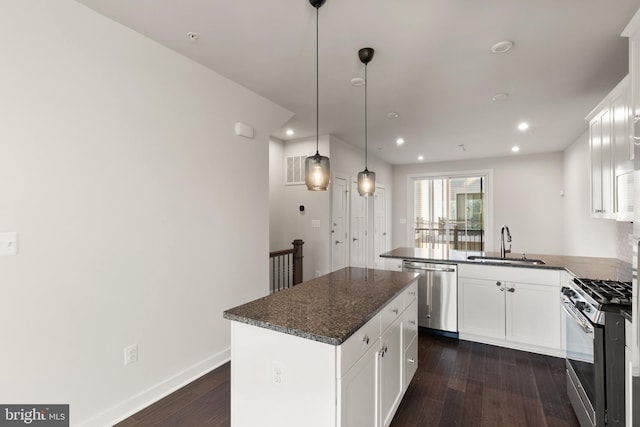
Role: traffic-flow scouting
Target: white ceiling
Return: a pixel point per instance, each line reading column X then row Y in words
column 432, row 65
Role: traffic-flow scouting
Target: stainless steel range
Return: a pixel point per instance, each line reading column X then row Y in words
column 595, row 349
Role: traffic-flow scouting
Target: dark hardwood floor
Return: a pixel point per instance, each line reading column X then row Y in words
column 458, row 383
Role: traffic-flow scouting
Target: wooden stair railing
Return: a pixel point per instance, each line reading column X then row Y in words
column 286, row 267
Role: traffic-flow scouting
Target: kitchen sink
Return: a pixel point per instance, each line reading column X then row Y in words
column 498, row 260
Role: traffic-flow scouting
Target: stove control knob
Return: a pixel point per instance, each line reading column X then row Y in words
column 580, row 305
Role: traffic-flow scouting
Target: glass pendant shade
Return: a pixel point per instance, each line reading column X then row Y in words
column 366, row 183
column 316, row 172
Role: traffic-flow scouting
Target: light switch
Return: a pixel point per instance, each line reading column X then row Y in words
column 8, row 243
column 315, row 223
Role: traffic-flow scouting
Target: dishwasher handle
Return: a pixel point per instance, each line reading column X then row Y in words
column 422, row 268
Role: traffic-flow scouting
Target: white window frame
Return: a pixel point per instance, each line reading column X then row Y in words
column 487, row 205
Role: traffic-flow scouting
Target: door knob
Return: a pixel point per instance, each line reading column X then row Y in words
column 354, row 239
column 338, row 241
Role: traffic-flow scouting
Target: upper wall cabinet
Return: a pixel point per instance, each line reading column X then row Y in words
column 611, row 148
column 632, row 31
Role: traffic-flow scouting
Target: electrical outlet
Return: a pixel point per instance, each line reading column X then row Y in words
column 130, row 354
column 277, row 373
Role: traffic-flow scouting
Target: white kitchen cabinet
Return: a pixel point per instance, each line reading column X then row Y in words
column 390, row 375
column 628, row 374
column 511, row 307
column 610, row 147
column 482, row 307
column 531, row 317
column 358, row 392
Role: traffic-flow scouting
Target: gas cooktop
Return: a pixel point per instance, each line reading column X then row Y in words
column 606, row 292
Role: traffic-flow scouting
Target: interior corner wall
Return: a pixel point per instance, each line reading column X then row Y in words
column 526, row 197
column 137, row 210
column 583, row 235
column 298, row 225
column 277, row 225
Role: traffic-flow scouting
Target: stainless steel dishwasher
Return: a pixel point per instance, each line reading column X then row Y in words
column 437, row 294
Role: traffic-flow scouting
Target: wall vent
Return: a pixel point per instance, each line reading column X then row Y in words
column 294, row 175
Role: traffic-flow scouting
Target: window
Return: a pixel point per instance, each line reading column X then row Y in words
column 449, row 211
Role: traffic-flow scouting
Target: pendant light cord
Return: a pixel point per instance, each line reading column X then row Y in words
column 366, row 81
column 317, row 83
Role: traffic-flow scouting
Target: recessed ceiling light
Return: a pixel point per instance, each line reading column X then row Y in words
column 392, row 115
column 193, row 36
column 400, row 141
column 515, row 148
column 290, row 132
column 421, row 158
column 503, row 96
column 357, row 81
column 502, row 47
column 523, row 126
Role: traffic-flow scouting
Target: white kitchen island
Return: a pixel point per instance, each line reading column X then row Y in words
column 339, row 350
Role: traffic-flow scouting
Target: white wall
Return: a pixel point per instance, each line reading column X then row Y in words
column 297, row 225
column 526, row 197
column 276, row 195
column 288, row 223
column 137, row 210
column 583, row 235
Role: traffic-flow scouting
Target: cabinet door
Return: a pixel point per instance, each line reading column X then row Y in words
column 391, row 359
column 482, row 307
column 621, row 141
column 607, row 166
column 533, row 314
column 595, row 148
column 358, row 393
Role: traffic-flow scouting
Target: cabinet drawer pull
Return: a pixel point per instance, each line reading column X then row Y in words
column 512, row 290
column 410, row 360
column 413, row 322
column 383, row 351
column 395, row 310
column 366, row 339
column 498, row 284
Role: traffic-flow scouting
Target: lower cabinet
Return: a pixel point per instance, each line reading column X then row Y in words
column 371, row 390
column 288, row 380
column 628, row 374
column 358, row 392
column 390, row 376
column 510, row 306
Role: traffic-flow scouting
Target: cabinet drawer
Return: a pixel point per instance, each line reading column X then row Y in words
column 393, row 264
column 538, row 276
column 357, row 345
column 410, row 323
column 391, row 312
column 410, row 362
column 410, row 294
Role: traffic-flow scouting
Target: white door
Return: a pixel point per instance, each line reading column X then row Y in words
column 358, row 221
column 380, row 236
column 339, row 215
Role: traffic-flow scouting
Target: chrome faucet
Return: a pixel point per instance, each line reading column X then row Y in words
column 503, row 250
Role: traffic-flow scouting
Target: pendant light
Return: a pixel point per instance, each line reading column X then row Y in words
column 366, row 178
column 317, row 169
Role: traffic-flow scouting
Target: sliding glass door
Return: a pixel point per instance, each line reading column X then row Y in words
column 449, row 212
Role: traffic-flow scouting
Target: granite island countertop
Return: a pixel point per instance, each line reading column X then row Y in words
column 589, row 267
column 329, row 308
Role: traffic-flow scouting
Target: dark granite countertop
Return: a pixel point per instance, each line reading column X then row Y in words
column 329, row 308
column 590, row 267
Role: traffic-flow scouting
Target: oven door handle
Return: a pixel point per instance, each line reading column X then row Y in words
column 568, row 308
